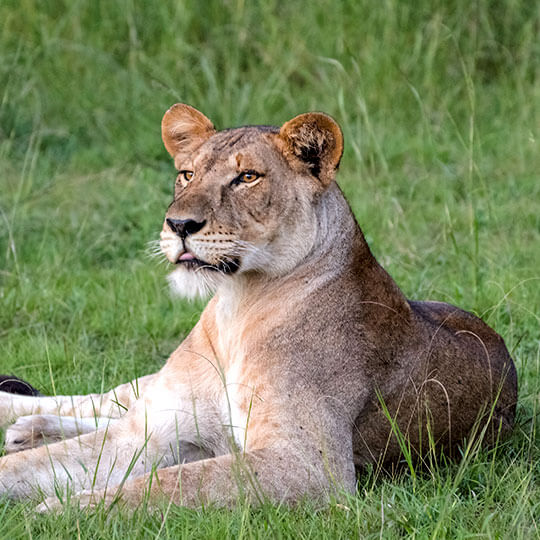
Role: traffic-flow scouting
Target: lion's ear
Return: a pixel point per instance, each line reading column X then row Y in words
column 316, row 140
column 183, row 128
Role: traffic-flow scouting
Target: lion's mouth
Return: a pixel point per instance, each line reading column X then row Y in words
column 188, row 260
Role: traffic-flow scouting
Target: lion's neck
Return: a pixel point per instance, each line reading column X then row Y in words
column 339, row 252
column 339, row 238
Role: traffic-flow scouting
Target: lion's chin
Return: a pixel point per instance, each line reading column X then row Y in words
column 191, row 283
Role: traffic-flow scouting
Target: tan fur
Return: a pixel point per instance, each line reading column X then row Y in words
column 280, row 389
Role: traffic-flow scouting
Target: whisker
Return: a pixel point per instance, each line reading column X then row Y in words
column 209, row 266
column 156, row 255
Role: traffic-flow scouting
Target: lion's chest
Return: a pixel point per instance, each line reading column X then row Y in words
column 233, row 407
column 231, row 358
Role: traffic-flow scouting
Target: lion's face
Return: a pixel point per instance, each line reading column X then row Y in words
column 244, row 199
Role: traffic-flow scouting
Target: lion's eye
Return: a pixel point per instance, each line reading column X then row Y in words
column 248, row 177
column 185, row 177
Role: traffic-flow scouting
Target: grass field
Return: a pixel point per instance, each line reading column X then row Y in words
column 440, row 106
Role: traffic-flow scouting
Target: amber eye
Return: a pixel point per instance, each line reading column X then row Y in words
column 185, row 176
column 249, row 177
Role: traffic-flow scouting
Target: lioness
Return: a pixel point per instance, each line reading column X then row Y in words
column 307, row 361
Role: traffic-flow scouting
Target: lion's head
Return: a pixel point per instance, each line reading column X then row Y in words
column 244, row 198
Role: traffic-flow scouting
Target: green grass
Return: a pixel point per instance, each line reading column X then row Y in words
column 440, row 106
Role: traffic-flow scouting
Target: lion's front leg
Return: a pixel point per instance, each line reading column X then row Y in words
column 111, row 404
column 151, row 434
column 279, row 465
column 78, row 463
column 105, row 457
column 278, row 475
column 39, row 429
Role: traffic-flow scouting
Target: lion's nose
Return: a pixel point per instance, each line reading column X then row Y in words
column 185, row 227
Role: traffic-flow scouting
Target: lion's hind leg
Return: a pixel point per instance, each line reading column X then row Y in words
column 39, row 429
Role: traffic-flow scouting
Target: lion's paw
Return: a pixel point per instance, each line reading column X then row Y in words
column 30, row 432
column 87, row 500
